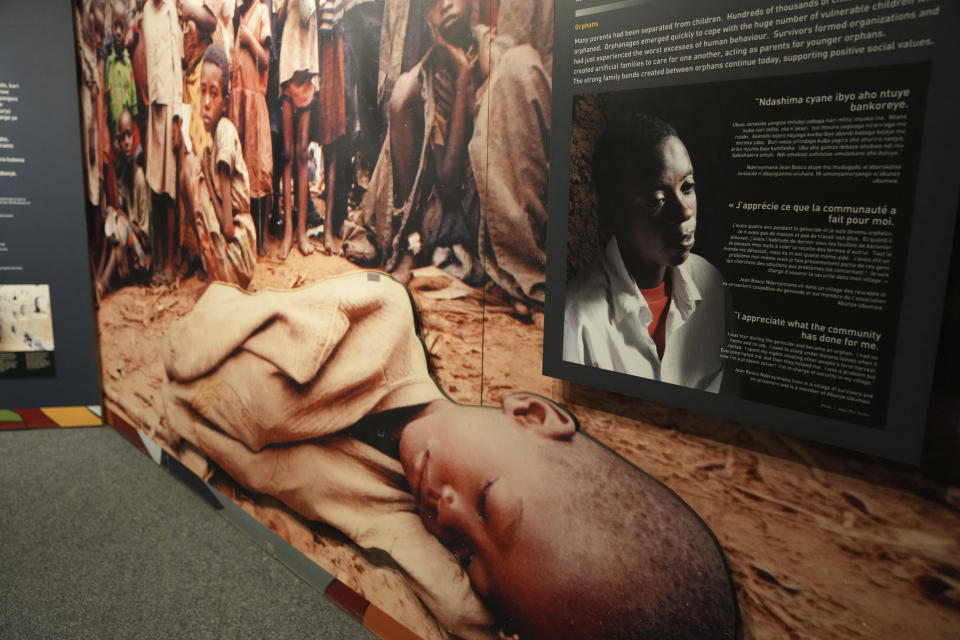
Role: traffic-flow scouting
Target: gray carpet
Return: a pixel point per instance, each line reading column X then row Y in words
column 97, row 541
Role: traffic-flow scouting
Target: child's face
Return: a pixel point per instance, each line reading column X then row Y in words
column 487, row 490
column 176, row 137
column 119, row 26
column 211, row 94
column 125, row 135
column 98, row 18
column 450, row 17
column 657, row 218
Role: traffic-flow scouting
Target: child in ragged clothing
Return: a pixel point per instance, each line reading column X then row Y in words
column 250, row 62
column 217, row 185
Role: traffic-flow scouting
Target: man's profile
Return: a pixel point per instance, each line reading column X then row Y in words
column 648, row 306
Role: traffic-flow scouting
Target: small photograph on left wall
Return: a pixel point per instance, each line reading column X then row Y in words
column 26, row 330
column 25, row 320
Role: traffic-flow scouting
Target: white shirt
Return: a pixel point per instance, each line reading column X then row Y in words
column 606, row 321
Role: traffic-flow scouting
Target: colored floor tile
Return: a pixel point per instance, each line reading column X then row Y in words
column 347, row 599
column 386, row 627
column 132, row 435
column 35, row 418
column 6, row 415
column 72, row 416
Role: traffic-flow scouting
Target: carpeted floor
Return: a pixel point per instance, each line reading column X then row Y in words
column 97, row 541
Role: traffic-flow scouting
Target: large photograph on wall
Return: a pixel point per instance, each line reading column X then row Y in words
column 788, row 298
column 749, row 220
column 48, row 355
column 368, row 385
column 309, row 221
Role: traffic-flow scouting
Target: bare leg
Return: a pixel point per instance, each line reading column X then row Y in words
column 103, row 281
column 262, row 221
column 104, row 250
column 303, row 158
column 406, row 134
column 330, row 169
column 171, row 266
column 287, row 179
column 403, row 271
column 189, row 171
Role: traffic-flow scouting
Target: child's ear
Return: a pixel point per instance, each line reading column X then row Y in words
column 545, row 417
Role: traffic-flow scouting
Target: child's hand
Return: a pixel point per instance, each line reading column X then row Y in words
column 452, row 54
column 243, row 36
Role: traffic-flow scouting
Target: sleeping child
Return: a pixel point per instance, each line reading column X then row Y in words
column 505, row 520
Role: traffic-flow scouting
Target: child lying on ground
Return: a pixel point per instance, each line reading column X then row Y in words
column 502, row 520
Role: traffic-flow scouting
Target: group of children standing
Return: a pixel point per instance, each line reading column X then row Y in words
column 201, row 118
column 180, row 150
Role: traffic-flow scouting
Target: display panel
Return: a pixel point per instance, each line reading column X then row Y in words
column 806, row 530
column 48, row 354
column 242, row 165
column 757, row 202
column 29, row 350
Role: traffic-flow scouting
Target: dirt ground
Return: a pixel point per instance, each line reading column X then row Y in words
column 821, row 544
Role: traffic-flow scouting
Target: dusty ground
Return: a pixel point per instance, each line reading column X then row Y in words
column 821, row 544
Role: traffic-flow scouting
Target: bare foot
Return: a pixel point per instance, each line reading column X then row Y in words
column 522, row 312
column 330, row 246
column 287, row 243
column 305, row 246
column 404, row 269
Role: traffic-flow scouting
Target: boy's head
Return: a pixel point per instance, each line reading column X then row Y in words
column 125, row 135
column 98, row 10
column 645, row 182
column 120, row 11
column 176, row 136
column 559, row 536
column 451, row 18
column 214, row 85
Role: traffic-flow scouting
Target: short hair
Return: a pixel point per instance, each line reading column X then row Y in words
column 650, row 567
column 215, row 54
column 626, row 148
column 124, row 112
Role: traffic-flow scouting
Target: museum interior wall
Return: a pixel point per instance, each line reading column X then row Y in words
column 650, row 333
